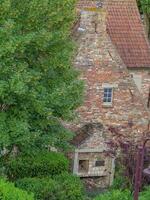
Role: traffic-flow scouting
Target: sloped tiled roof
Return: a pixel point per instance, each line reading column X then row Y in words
column 86, row 3
column 85, row 132
column 126, row 31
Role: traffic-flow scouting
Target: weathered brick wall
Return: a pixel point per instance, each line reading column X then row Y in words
column 100, row 63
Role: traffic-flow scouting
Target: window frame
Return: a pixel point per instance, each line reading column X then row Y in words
column 107, row 103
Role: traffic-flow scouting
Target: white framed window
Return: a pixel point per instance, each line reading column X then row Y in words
column 107, row 96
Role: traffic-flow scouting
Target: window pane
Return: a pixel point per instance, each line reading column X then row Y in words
column 105, row 100
column 110, row 90
column 109, row 100
column 105, row 95
column 109, row 95
column 105, row 90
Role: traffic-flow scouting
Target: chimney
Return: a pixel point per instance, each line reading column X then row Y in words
column 92, row 30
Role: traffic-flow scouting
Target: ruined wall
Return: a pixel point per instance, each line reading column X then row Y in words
column 100, row 64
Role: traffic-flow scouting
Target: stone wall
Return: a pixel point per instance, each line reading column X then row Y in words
column 100, row 64
column 98, row 177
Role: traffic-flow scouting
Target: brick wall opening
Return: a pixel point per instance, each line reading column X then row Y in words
column 83, row 166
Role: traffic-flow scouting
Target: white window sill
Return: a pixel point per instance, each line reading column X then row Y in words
column 107, row 105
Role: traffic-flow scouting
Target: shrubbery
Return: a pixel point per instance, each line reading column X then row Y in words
column 40, row 164
column 145, row 195
column 115, row 195
column 9, row 192
column 63, row 187
column 43, row 188
column 71, row 187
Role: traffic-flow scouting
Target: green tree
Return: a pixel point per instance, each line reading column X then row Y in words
column 10, row 192
column 145, row 4
column 38, row 85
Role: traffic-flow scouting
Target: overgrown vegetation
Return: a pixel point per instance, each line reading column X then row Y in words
column 115, row 195
column 62, row 187
column 38, row 85
column 38, row 89
column 9, row 192
column 39, row 164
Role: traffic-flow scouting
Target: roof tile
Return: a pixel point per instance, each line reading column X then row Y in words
column 126, row 31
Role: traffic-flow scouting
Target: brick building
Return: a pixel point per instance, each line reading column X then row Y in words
column 114, row 60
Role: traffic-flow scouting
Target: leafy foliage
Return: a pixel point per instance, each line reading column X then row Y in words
column 145, row 195
column 9, row 192
column 39, row 164
column 63, row 187
column 38, row 85
column 115, row 195
column 145, row 4
column 43, row 188
column 121, row 180
column 71, row 187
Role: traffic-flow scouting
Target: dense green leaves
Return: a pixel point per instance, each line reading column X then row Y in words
column 146, row 6
column 115, row 195
column 145, row 194
column 9, row 192
column 38, row 85
column 43, row 188
column 39, row 164
column 62, row 187
column 71, row 187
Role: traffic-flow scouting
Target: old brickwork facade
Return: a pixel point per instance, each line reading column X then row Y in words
column 102, row 67
column 117, row 83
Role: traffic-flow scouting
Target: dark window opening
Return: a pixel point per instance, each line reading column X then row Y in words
column 99, row 163
column 83, row 165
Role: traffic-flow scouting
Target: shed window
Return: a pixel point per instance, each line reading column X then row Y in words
column 108, row 95
column 99, row 163
column 83, row 165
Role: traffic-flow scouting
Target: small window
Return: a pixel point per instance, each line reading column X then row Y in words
column 83, row 166
column 107, row 98
column 99, row 163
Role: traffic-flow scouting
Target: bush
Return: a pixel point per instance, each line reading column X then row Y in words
column 121, row 181
column 40, row 164
column 145, row 195
column 115, row 195
column 71, row 187
column 43, row 188
column 63, row 187
column 9, row 192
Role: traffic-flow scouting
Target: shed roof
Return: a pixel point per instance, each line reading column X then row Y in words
column 85, row 132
